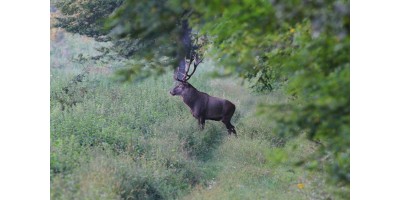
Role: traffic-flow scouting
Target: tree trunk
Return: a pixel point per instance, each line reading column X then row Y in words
column 185, row 47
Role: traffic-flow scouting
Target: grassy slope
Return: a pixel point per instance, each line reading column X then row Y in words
column 135, row 141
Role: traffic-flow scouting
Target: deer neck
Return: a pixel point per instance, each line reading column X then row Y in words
column 191, row 97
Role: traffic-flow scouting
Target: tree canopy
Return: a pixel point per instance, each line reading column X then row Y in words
column 302, row 47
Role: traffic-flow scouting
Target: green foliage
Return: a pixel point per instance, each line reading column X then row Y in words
column 118, row 142
column 86, row 17
column 146, row 34
column 303, row 47
column 299, row 47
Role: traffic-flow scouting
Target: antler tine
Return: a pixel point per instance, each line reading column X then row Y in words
column 195, row 64
column 187, row 76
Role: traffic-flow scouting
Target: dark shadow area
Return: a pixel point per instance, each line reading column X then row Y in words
column 202, row 144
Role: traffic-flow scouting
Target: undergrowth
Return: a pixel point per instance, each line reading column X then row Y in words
column 112, row 140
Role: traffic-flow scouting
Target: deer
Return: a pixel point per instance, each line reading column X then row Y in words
column 203, row 106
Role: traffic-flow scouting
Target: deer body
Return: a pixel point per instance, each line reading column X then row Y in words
column 206, row 107
column 203, row 106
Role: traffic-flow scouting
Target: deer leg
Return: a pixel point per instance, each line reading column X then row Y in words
column 230, row 127
column 201, row 122
column 233, row 129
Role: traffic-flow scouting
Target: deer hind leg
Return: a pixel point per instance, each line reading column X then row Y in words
column 201, row 121
column 234, row 131
column 230, row 127
column 227, row 120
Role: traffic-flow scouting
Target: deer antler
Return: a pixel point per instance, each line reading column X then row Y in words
column 194, row 55
column 197, row 61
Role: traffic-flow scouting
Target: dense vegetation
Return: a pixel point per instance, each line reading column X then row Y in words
column 135, row 140
column 113, row 140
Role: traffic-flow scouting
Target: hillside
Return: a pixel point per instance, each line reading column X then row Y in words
column 112, row 140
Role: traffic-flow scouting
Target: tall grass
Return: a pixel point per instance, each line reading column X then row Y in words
column 135, row 141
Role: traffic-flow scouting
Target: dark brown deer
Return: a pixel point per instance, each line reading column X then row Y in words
column 203, row 106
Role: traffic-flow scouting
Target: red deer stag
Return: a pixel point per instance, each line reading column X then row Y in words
column 203, row 106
